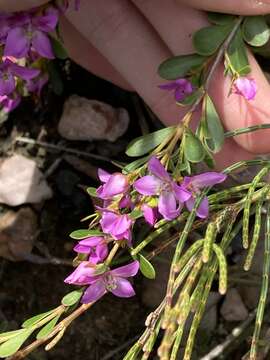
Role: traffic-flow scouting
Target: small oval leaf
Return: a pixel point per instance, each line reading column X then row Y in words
column 84, row 233
column 207, row 40
column 72, row 298
column 143, row 144
column 92, row 191
column 12, row 345
column 255, row 30
column 147, row 269
column 179, row 66
column 193, row 148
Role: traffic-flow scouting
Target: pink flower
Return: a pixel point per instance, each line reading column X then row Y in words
column 245, row 87
column 113, row 281
column 95, row 246
column 113, row 184
column 117, row 225
column 181, row 88
column 171, row 195
column 194, row 184
column 30, row 31
column 150, row 214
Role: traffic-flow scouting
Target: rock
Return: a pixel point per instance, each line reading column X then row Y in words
column 17, row 233
column 85, row 119
column 209, row 320
column 233, row 308
column 22, row 182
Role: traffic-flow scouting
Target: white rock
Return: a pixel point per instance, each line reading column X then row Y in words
column 85, row 119
column 233, row 308
column 22, row 182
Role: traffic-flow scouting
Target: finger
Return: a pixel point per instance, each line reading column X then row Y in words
column 15, row 5
column 239, row 7
column 87, row 56
column 234, row 110
column 132, row 46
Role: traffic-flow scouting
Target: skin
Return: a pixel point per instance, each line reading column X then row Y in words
column 125, row 41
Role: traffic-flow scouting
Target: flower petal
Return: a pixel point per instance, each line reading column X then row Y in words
column 41, row 43
column 148, row 185
column 103, row 175
column 83, row 249
column 203, row 209
column 156, row 168
column 123, row 288
column 207, row 179
column 126, row 270
column 82, row 275
column 23, row 72
column 47, row 22
column 150, row 214
column 17, row 43
column 181, row 193
column 167, row 206
column 94, row 292
column 169, row 86
column 7, row 84
column 246, row 87
column 92, row 241
column 116, row 184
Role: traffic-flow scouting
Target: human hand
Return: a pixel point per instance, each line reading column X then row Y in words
column 125, row 42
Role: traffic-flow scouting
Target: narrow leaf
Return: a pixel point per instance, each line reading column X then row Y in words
column 220, row 19
column 35, row 319
column 92, row 191
column 214, row 127
column 84, row 233
column 143, row 144
column 48, row 328
column 237, row 55
column 12, row 345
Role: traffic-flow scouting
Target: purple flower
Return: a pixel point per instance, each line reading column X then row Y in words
column 117, row 225
column 171, row 195
column 95, row 246
column 113, row 281
column 245, row 87
column 113, row 184
column 9, row 103
column 30, row 31
column 150, row 214
column 8, row 71
column 195, row 183
column 181, row 88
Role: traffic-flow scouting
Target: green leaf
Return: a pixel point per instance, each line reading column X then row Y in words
column 179, row 66
column 58, row 49
column 255, row 30
column 237, row 56
column 220, row 19
column 143, row 144
column 9, row 334
column 92, row 191
column 193, row 148
column 209, row 160
column 12, row 345
column 136, row 214
column 134, row 165
column 72, row 298
column 206, row 41
column 35, row 319
column 48, row 328
column 214, row 127
column 147, row 269
column 84, row 233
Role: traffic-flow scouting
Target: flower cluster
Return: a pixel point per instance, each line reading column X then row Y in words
column 26, row 42
column 155, row 195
